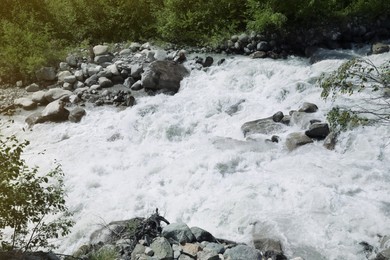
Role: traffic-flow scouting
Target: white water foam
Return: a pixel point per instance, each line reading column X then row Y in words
column 185, row 154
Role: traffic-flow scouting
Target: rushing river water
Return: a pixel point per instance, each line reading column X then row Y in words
column 186, row 155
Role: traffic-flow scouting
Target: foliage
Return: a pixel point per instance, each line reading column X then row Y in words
column 32, row 205
column 358, row 76
column 105, row 253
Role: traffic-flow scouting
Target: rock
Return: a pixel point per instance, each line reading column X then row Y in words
column 160, row 55
column 278, row 116
column 286, row 120
column 79, row 75
column 39, row 97
column 178, row 232
column 243, row 38
column 34, row 118
column 93, row 69
column 63, row 74
column 241, row 252
column 180, row 57
column 263, row 46
column 207, row 255
column 214, row 247
column 32, row 88
column 191, row 249
column 46, row 74
column 261, row 126
column 55, row 111
column 383, row 255
column 137, row 86
column 318, row 131
column 70, row 79
column 137, row 251
column 67, row 86
column 302, row 119
column 100, row 59
column 258, row 55
column 76, row 114
column 294, row 140
column 135, row 46
column 64, row 66
column 105, row 82
column 202, row 235
column 71, row 60
column 160, row 75
column 208, row 61
column 162, row 249
column 100, row 50
column 136, row 71
column 269, row 247
column 308, row 108
column 330, row 141
column 56, row 93
column 19, row 83
column 25, row 103
column 113, row 69
column 78, row 84
column 378, row 48
column 92, row 80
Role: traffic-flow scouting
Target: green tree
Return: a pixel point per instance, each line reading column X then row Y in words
column 353, row 77
column 32, row 205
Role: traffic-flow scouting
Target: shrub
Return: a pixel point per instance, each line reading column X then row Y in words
column 32, row 205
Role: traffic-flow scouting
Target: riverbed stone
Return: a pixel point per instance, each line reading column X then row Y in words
column 308, row 107
column 163, row 75
column 162, row 249
column 258, row 55
column 318, row 131
column 63, row 74
column 39, row 97
column 70, row 79
column 278, row 116
column 25, row 103
column 242, row 252
column 32, row 87
column 261, row 126
column 178, row 232
column 76, row 114
column 294, row 140
column 56, row 93
column 100, row 50
column 202, row 235
column 105, row 82
column 383, row 255
column 270, row 247
column 55, row 112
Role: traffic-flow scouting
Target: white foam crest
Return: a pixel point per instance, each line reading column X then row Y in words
column 186, row 155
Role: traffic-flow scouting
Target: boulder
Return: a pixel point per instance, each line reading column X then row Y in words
column 207, row 255
column 270, row 248
column 100, row 59
column 308, row 108
column 100, row 50
column 137, row 86
column 330, row 141
column 178, row 233
column 190, row 249
column 378, row 48
column 258, row 55
column 208, row 61
column 135, row 46
column 318, row 131
column 67, row 86
column 136, row 71
column 383, row 255
column 214, row 247
column 93, row 69
column 25, row 103
column 261, row 126
column 105, row 82
column 294, row 140
column 162, row 249
column 55, row 112
column 263, row 46
column 56, row 93
column 71, row 60
column 160, row 75
column 113, row 69
column 39, row 97
column 160, row 55
column 125, row 52
column 91, row 80
column 242, row 252
column 64, row 66
column 202, row 235
column 79, row 75
column 63, row 74
column 32, row 88
column 46, row 74
column 76, row 114
column 278, row 116
column 70, row 79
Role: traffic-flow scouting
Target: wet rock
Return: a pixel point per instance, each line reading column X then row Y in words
column 46, row 74
column 215, row 248
column 378, row 48
column 25, row 103
column 208, row 61
column 302, row 119
column 263, row 46
column 294, row 140
column 202, row 235
column 178, row 232
column 162, row 75
column 162, row 249
column 56, row 93
column 55, row 112
column 242, row 252
column 39, row 97
column 136, row 71
column 278, row 116
column 76, row 114
column 137, row 86
column 258, row 55
column 270, row 248
column 318, row 131
column 308, row 108
column 100, row 50
column 32, row 88
column 383, row 255
column 261, row 126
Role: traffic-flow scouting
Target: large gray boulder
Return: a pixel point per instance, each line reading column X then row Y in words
column 56, row 93
column 55, row 112
column 163, row 75
column 25, row 103
column 46, row 74
column 178, row 232
column 294, row 140
column 261, row 126
column 241, row 252
column 63, row 74
column 202, row 235
column 32, row 88
column 76, row 114
column 162, row 249
column 39, row 97
column 100, row 50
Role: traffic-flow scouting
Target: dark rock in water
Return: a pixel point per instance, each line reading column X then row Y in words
column 330, row 141
column 220, row 62
column 286, row 120
column 315, row 121
column 208, row 61
column 324, row 54
column 318, row 131
column 163, row 75
column 242, row 252
column 278, row 116
column 55, row 112
column 202, row 235
column 275, row 139
column 261, row 126
column 129, row 82
column 34, row 118
column 270, row 248
column 178, row 233
column 294, row 140
column 258, row 55
column 129, row 101
column 263, row 46
column 137, row 86
column 308, row 108
column 379, row 47
column 76, row 114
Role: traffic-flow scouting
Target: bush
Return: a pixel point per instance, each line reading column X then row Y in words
column 355, row 76
column 32, row 205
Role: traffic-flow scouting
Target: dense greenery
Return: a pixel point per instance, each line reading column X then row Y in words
column 32, row 205
column 34, row 32
column 358, row 76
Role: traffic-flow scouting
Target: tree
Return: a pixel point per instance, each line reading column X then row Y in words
column 32, row 205
column 358, row 76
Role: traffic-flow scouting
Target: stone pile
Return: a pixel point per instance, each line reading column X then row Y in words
column 304, row 117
